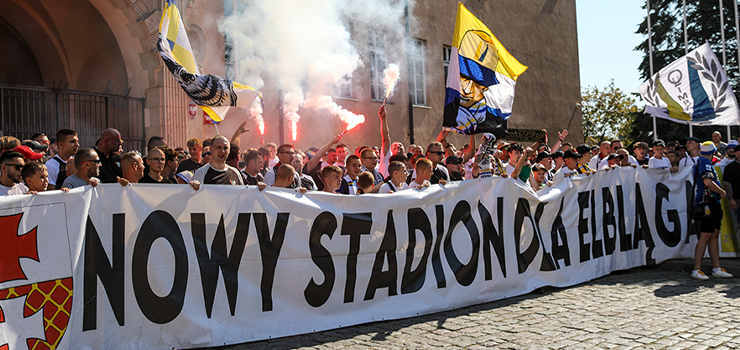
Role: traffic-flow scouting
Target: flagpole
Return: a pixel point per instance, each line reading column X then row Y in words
column 724, row 53
column 737, row 38
column 650, row 54
column 686, row 52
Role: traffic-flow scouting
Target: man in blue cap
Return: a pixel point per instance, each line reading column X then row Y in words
column 692, row 152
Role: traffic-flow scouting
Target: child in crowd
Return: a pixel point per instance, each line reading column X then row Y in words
column 397, row 181
column 658, row 161
column 423, row 174
column 36, row 177
column 349, row 181
column 331, row 176
column 365, row 182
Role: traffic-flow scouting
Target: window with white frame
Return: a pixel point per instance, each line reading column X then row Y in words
column 416, row 80
column 232, row 7
column 377, row 65
column 344, row 87
column 446, row 53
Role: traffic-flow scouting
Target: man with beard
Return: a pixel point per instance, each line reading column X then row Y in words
column 11, row 164
column 110, row 164
column 68, row 144
column 455, row 168
column 88, row 165
column 729, row 154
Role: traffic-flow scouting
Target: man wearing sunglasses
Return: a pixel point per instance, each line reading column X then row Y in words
column 88, row 166
column 11, row 164
column 440, row 174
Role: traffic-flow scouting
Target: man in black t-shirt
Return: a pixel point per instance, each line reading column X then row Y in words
column 110, row 163
column 195, row 148
column 731, row 181
column 253, row 161
column 217, row 172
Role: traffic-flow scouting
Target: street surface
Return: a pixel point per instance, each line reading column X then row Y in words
column 657, row 307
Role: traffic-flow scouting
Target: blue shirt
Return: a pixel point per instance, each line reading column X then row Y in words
column 705, row 170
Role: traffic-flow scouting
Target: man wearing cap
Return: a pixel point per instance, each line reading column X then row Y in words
column 539, row 177
column 708, row 194
column 544, row 159
column 570, row 161
column 731, row 178
column 455, row 168
column 658, row 161
column 28, row 154
column 557, row 161
column 585, row 156
column 692, row 152
column 11, row 163
column 729, row 155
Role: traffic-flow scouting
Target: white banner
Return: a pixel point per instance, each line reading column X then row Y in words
column 162, row 266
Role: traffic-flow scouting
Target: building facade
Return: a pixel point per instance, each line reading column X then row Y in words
column 108, row 48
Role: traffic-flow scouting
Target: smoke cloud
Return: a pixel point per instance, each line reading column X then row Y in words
column 306, row 47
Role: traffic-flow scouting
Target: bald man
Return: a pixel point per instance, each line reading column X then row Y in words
column 217, row 172
column 132, row 167
column 110, row 163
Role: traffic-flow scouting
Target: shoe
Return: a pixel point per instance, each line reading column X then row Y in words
column 721, row 273
column 699, row 275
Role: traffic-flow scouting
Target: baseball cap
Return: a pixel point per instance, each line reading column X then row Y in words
column 612, row 156
column 538, row 166
column 658, row 142
column 35, row 145
column 556, row 154
column 571, row 154
column 732, row 144
column 542, row 155
column 692, row 138
column 28, row 153
column 453, row 160
column 583, row 149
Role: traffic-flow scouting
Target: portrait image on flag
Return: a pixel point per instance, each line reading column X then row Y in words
column 479, row 95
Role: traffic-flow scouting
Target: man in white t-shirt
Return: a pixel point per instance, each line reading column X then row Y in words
column 11, row 164
column 397, row 182
column 568, row 169
column 604, row 151
column 692, row 152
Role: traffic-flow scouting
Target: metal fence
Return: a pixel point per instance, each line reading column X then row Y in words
column 25, row 110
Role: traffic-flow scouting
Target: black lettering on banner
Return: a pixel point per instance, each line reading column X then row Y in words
column 385, row 279
column 269, row 252
column 439, row 273
column 585, row 248
column 596, row 244
column 317, row 294
column 413, row 280
column 547, row 263
column 610, row 241
column 160, row 310
column 694, row 226
column 670, row 238
column 219, row 259
column 464, row 273
column 111, row 274
column 558, row 234
column 526, row 258
column 625, row 239
column 642, row 227
column 354, row 226
column 494, row 238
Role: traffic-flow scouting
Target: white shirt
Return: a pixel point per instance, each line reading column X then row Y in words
column 384, row 162
column 387, row 188
column 595, row 161
column 441, row 168
column 52, row 166
column 561, row 174
column 17, row 189
column 687, row 161
column 414, row 184
column 351, row 185
column 272, row 162
column 662, row 163
column 605, row 162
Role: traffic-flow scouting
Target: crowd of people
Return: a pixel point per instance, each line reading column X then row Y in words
column 60, row 163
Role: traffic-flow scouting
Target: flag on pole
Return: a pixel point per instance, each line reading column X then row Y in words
column 693, row 89
column 481, row 79
column 214, row 94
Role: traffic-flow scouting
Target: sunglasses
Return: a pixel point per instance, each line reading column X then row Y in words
column 17, row 166
column 206, row 154
column 97, row 161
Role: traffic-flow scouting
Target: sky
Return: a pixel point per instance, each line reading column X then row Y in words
column 606, row 42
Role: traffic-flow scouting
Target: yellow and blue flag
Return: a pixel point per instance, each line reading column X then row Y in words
column 214, row 94
column 480, row 84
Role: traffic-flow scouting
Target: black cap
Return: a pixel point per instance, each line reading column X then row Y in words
column 35, row 145
column 583, row 149
column 453, row 160
column 556, row 154
column 612, row 156
column 658, row 142
column 571, row 154
column 692, row 138
column 681, row 147
column 542, row 155
column 594, row 147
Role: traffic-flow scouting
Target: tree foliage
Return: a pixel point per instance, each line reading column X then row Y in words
column 606, row 113
column 703, row 25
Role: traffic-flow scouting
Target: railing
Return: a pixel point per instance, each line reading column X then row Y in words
column 25, row 110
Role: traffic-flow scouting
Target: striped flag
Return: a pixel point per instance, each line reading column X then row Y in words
column 481, row 79
column 214, row 94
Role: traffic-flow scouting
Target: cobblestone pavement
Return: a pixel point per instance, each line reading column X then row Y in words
column 649, row 308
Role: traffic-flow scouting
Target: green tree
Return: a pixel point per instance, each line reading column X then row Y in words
column 606, row 113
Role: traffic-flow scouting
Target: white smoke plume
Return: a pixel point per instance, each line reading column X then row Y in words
column 305, row 46
column 391, row 77
column 255, row 111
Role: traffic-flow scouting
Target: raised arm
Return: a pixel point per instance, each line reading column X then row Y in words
column 385, row 146
column 561, row 139
column 520, row 164
column 471, row 150
column 322, row 152
column 239, row 131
